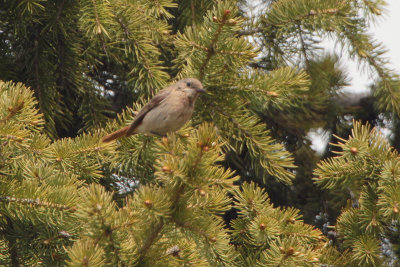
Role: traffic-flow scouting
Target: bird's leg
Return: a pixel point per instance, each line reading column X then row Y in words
column 160, row 135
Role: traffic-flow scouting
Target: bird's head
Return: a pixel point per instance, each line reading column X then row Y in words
column 191, row 86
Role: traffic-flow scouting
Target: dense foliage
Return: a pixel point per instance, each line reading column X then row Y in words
column 237, row 186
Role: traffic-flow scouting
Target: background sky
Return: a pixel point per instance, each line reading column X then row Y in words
column 387, row 31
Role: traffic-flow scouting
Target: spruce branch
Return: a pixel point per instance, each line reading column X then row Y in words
column 150, row 240
column 60, row 9
column 99, row 29
column 108, row 234
column 375, row 8
column 372, row 60
column 60, row 234
column 36, row 203
column 284, row 13
column 12, row 247
column 192, row 228
column 303, row 47
column 192, row 10
column 361, row 225
column 211, row 47
column 36, row 70
column 140, row 52
column 184, row 206
column 268, row 156
column 250, row 31
column 13, row 110
column 123, row 26
column 233, row 121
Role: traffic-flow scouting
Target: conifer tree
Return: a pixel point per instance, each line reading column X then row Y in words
column 239, row 185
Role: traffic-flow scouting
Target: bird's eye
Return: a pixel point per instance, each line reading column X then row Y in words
column 188, row 84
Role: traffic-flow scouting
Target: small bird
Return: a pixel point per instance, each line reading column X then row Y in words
column 166, row 112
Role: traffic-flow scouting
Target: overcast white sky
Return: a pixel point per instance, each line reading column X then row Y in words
column 386, row 30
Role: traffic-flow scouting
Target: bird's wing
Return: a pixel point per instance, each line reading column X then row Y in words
column 154, row 102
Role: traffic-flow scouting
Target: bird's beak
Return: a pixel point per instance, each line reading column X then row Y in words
column 201, row 90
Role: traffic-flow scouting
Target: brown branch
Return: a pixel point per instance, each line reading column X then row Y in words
column 36, row 71
column 311, row 13
column 158, row 227
column 329, row 11
column 35, row 203
column 202, row 233
column 202, row 47
column 61, row 50
column 226, row 52
column 12, row 245
column 249, row 31
column 299, row 234
column 349, row 99
column 141, row 53
column 192, row 228
column 61, row 65
column 232, row 120
column 90, row 150
column 108, row 232
column 124, row 27
column 60, row 10
column 211, row 47
column 150, row 240
column 12, row 111
column 125, row 225
column 303, row 48
column 193, row 13
column 12, row 137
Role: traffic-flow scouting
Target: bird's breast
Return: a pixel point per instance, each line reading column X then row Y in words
column 169, row 116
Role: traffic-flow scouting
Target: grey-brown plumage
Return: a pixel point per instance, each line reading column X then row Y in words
column 166, row 112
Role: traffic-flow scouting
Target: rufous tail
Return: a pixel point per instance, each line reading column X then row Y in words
column 114, row 135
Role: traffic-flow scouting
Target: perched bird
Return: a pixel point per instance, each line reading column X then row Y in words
column 166, row 112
